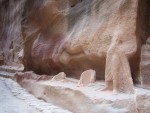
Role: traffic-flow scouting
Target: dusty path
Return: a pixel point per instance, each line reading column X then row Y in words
column 14, row 99
column 10, row 104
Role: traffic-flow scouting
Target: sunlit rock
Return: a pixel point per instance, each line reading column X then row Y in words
column 87, row 77
column 65, row 38
column 59, row 76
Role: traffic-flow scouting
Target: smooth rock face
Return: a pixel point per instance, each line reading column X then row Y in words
column 87, row 77
column 72, row 36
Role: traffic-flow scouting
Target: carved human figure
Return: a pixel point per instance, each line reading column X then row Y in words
column 117, row 73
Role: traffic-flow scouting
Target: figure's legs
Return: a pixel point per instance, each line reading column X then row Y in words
column 112, row 73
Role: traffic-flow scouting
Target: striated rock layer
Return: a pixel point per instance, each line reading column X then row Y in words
column 10, row 31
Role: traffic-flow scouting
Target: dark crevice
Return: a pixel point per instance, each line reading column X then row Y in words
column 142, row 34
column 73, row 3
column 143, row 18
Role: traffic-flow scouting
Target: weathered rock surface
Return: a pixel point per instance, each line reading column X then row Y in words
column 30, row 75
column 17, row 100
column 74, row 38
column 71, row 36
column 10, row 30
column 79, row 100
column 59, row 76
column 87, row 77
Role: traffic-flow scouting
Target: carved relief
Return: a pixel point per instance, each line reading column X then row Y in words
column 117, row 73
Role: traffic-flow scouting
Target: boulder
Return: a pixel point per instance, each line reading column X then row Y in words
column 59, row 76
column 87, row 77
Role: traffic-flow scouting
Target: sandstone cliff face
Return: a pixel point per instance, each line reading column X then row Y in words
column 75, row 35
column 73, row 38
column 10, row 30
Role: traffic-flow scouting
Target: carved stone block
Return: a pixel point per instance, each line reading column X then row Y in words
column 87, row 77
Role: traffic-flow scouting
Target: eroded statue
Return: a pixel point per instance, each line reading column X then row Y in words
column 117, row 73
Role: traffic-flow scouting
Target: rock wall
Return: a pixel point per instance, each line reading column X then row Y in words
column 10, row 30
column 143, row 32
column 75, row 35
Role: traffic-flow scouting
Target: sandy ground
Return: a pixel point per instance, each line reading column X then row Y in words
column 10, row 104
column 14, row 99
